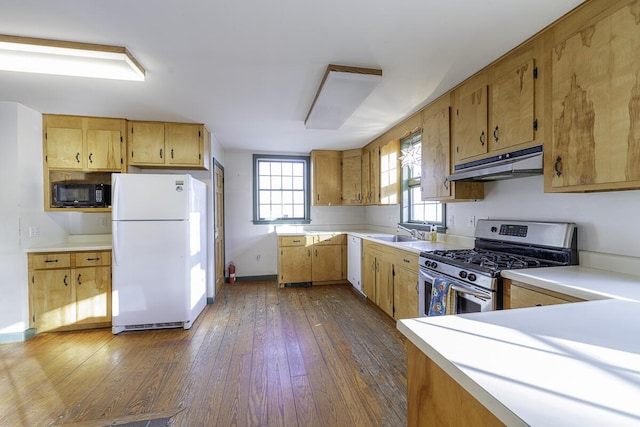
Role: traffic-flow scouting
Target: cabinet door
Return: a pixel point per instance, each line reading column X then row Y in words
column 327, row 177
column 390, row 173
column 471, row 122
column 93, row 294
column 327, row 263
column 52, row 297
column 146, row 143
column 63, row 147
column 384, row 282
column 529, row 296
column 103, row 150
column 436, row 160
column 367, row 194
column 183, row 142
column 352, row 177
column 512, row 112
column 374, row 163
column 596, row 106
column 295, row 264
column 369, row 269
column 405, row 293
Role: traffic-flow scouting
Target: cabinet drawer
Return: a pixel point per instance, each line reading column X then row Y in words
column 301, row 240
column 88, row 259
column 523, row 296
column 406, row 260
column 53, row 260
column 330, row 239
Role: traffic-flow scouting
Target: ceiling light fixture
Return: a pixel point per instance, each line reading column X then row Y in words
column 342, row 90
column 31, row 55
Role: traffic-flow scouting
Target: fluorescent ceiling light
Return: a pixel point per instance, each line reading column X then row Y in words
column 30, row 55
column 342, row 90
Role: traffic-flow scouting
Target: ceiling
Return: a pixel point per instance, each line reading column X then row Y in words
column 249, row 69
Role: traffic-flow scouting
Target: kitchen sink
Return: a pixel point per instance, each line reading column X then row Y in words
column 394, row 238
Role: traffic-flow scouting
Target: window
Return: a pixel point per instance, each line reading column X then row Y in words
column 415, row 213
column 281, row 189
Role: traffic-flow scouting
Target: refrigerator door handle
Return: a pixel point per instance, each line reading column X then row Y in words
column 116, row 239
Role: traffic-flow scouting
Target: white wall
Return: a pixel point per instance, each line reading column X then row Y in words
column 606, row 221
column 253, row 248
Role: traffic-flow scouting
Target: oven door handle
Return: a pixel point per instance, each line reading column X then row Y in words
column 462, row 290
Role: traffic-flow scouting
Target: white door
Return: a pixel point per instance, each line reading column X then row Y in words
column 150, row 274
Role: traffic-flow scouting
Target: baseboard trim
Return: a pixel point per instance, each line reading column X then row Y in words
column 254, row 278
column 17, row 336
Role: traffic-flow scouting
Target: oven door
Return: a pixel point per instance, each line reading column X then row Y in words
column 469, row 298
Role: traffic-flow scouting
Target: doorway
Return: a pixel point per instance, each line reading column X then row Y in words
column 218, row 223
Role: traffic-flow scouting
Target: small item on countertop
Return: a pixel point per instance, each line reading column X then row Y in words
column 433, row 235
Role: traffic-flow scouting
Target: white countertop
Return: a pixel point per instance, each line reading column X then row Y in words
column 581, row 282
column 562, row 365
column 95, row 242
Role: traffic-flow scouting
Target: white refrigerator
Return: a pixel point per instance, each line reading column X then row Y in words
column 159, row 251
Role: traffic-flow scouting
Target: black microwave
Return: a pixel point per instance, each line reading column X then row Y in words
column 81, row 195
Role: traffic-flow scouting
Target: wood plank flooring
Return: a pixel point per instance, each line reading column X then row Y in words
column 258, row 356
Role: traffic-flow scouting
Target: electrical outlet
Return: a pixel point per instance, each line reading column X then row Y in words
column 34, row 231
column 258, row 257
column 450, row 222
column 472, row 221
column 103, row 222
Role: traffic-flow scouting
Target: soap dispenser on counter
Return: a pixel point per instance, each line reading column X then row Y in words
column 433, row 235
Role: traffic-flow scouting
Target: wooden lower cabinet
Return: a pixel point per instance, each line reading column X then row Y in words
column 311, row 258
column 436, row 399
column 390, row 279
column 521, row 295
column 69, row 290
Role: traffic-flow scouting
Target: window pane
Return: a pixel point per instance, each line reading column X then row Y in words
column 265, row 182
column 287, row 182
column 265, row 168
column 265, row 211
column 287, row 197
column 287, row 169
column 276, row 182
column 298, row 183
column 276, row 168
column 298, row 169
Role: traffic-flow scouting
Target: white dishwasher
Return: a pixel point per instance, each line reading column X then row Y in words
column 354, row 262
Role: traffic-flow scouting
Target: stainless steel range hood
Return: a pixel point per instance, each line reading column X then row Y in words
column 516, row 164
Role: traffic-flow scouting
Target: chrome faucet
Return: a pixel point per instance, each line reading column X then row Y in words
column 412, row 232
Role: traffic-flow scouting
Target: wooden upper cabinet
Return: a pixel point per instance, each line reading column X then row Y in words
column 352, row 177
column 595, row 103
column 183, row 144
column 77, row 143
column 146, row 143
column 471, row 115
column 168, row 145
column 390, row 173
column 436, row 160
column 326, row 171
column 365, row 183
column 512, row 107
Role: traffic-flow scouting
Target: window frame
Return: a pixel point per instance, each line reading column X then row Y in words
column 306, row 161
column 406, row 183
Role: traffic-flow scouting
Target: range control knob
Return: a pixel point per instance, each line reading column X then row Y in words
column 431, row 264
column 462, row 274
column 471, row 277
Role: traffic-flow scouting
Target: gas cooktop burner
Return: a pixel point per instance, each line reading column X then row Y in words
column 489, row 259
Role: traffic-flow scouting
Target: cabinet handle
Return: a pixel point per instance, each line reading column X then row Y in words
column 64, row 280
column 538, row 305
column 93, row 259
column 316, row 252
column 172, row 153
column 482, row 138
column 445, row 184
column 406, row 260
column 51, row 260
column 495, row 134
column 90, row 157
column 296, row 241
column 556, row 166
column 77, row 157
column 161, row 153
column 79, row 279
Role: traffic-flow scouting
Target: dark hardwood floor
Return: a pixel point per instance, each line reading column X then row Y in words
column 258, row 356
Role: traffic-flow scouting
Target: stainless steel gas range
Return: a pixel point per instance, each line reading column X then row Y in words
column 474, row 274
